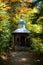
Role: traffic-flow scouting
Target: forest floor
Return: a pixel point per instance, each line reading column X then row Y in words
column 21, row 58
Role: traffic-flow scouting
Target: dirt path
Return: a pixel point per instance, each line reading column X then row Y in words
column 21, row 58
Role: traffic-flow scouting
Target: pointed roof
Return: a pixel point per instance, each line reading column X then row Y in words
column 21, row 28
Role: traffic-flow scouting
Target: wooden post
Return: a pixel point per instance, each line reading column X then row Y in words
column 14, row 42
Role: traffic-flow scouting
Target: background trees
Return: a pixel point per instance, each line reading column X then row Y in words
column 5, row 28
column 31, row 11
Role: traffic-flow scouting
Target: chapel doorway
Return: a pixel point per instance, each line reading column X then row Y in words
column 22, row 40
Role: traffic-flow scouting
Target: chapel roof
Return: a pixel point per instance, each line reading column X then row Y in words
column 22, row 28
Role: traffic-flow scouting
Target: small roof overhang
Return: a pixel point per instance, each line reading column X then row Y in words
column 21, row 30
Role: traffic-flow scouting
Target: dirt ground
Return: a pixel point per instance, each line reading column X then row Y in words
column 21, row 58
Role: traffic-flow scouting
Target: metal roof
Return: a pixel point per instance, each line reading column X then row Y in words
column 21, row 28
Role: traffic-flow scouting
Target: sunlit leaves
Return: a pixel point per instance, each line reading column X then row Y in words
column 37, row 28
column 8, row 8
column 29, row 26
column 37, row 44
column 16, row 0
column 21, row 1
column 35, row 10
column 2, row 5
column 28, row 0
column 34, row 28
column 40, row 20
column 13, row 0
column 1, row 0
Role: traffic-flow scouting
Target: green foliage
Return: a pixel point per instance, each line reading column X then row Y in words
column 9, row 22
column 5, row 34
column 36, row 27
column 5, row 30
column 37, row 44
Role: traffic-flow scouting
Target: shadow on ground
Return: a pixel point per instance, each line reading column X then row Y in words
column 21, row 58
